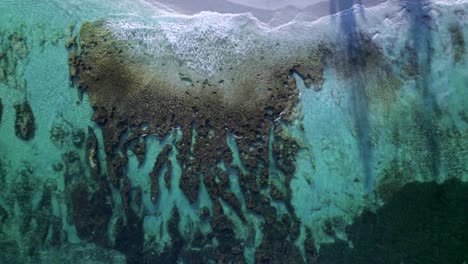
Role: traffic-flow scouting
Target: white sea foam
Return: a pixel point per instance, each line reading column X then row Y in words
column 209, row 42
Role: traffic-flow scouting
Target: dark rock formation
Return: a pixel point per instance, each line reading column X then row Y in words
column 157, row 169
column 25, row 126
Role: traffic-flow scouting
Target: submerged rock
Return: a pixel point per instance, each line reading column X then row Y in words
column 25, row 126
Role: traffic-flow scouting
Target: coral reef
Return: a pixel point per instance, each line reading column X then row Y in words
column 249, row 114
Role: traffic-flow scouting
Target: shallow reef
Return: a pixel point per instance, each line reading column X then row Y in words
column 215, row 135
column 162, row 109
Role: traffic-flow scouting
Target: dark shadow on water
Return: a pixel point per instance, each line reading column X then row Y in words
column 337, row 6
column 420, row 42
column 341, row 5
column 355, row 69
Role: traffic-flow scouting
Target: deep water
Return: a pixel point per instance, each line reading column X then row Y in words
column 410, row 227
column 130, row 134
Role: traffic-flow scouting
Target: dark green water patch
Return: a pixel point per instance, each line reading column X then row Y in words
column 10, row 252
column 1, row 110
column 421, row 223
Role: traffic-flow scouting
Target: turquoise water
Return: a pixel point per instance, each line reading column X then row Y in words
column 151, row 137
